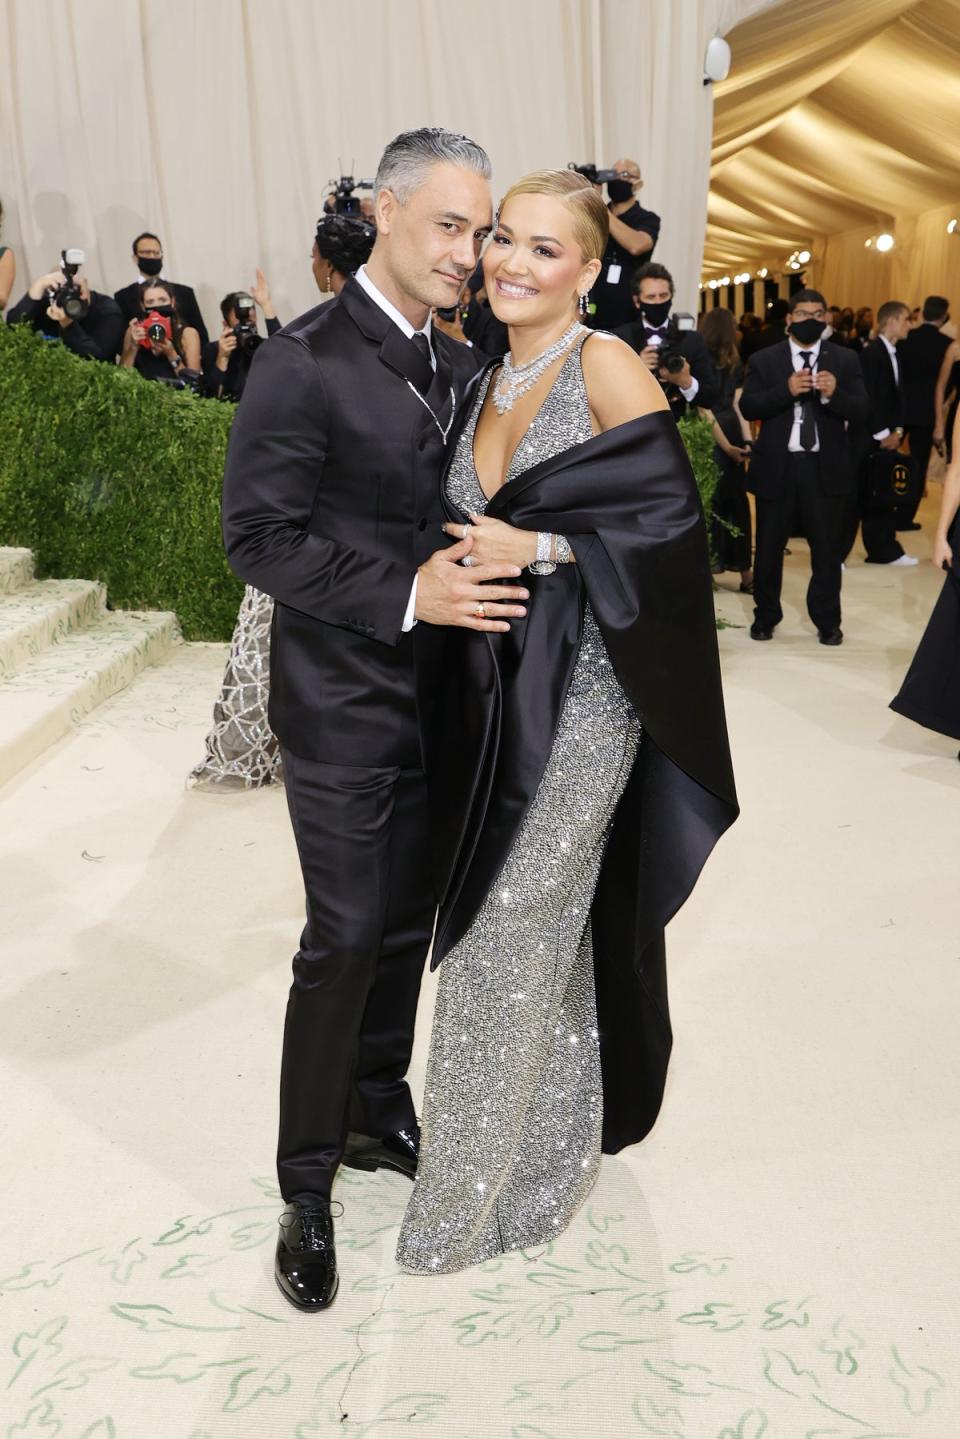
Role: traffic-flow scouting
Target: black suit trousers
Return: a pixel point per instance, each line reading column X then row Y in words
column 363, row 839
column 921, row 443
column 799, row 507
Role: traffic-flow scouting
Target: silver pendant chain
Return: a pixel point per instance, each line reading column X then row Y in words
column 514, row 381
column 453, row 408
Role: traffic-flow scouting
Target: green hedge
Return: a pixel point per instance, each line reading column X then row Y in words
column 107, row 477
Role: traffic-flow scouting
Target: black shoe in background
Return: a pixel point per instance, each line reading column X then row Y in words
column 760, row 632
column 306, row 1261
column 399, row 1151
column 830, row 637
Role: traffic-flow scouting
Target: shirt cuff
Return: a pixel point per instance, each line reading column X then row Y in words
column 881, row 434
column 408, row 619
column 690, row 393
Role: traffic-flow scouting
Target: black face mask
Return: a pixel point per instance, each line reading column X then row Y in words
column 165, row 310
column 808, row 332
column 620, row 190
column 149, row 266
column 656, row 314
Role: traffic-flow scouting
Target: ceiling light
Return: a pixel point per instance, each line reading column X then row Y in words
column 868, row 244
column 762, row 274
column 803, row 256
column 794, row 265
column 725, row 280
column 711, row 284
column 952, row 226
column 885, row 242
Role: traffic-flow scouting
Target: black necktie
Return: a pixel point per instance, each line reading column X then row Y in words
column 808, row 425
column 422, row 345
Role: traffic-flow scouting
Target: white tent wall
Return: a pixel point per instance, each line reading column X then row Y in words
column 219, row 123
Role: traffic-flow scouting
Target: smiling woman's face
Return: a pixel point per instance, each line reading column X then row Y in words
column 534, row 270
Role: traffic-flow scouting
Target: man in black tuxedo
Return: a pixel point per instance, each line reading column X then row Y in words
column 921, row 355
column 148, row 258
column 331, row 504
column 875, row 502
column 688, row 375
column 807, row 392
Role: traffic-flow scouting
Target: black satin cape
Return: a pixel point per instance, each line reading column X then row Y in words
column 629, row 504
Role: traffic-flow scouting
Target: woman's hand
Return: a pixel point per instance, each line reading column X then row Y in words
column 942, row 556
column 495, row 542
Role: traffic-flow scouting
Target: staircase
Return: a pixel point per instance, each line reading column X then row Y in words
column 62, row 652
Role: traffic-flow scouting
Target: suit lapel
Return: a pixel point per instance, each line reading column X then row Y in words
column 396, row 351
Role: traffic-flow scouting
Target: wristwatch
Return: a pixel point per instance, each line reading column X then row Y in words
column 898, row 430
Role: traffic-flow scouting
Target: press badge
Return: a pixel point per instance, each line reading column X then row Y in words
column 613, row 274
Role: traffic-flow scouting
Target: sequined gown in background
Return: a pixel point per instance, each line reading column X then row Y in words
column 241, row 749
column 512, row 1109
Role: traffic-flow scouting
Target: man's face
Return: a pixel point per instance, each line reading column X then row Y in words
column 899, row 328
column 806, row 310
column 629, row 170
column 149, row 249
column 652, row 292
column 431, row 244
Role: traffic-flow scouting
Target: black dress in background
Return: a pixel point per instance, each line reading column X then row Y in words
column 930, row 694
column 731, row 508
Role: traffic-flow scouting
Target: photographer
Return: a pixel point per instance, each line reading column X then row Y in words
column 156, row 343
column 148, row 258
column 633, row 235
column 62, row 306
column 227, row 361
column 668, row 344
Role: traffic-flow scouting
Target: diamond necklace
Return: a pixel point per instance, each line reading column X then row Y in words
column 515, row 380
column 444, row 432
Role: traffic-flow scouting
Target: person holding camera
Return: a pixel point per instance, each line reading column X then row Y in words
column 634, row 232
column 157, row 344
column 226, row 363
column 809, row 393
column 148, row 258
column 669, row 344
column 62, row 306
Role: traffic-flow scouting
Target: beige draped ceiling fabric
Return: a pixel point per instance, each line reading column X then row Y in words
column 218, row 123
column 839, row 122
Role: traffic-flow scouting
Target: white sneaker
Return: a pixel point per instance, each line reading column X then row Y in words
column 905, row 560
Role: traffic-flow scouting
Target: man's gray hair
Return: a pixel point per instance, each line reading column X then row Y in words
column 404, row 163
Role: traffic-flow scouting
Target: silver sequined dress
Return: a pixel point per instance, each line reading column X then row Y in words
column 241, row 750
column 513, row 1105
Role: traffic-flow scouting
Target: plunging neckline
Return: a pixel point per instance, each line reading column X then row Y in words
column 489, row 499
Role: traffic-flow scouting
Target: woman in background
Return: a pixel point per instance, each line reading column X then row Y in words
column 731, row 536
column 172, row 355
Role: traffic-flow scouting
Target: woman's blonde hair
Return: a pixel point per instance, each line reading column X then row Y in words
column 591, row 224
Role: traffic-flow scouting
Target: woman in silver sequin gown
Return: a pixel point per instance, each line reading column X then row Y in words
column 513, row 1103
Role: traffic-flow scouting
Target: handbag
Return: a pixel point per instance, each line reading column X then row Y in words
column 888, row 479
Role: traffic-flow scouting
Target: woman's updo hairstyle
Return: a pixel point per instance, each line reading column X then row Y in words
column 344, row 242
column 591, row 223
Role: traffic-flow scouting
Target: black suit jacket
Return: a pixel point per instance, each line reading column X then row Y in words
column 766, row 397
column 331, row 500
column 921, row 355
column 98, row 336
column 884, row 390
column 129, row 301
column 693, row 348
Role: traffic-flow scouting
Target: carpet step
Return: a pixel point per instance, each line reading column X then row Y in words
column 16, row 569
column 43, row 613
column 41, row 700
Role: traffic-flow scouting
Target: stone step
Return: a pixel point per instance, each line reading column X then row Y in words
column 43, row 613
column 16, row 569
column 39, row 702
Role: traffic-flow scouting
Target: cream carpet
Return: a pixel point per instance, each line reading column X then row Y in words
column 779, row 1259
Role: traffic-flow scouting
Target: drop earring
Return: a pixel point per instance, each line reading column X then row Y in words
column 583, row 306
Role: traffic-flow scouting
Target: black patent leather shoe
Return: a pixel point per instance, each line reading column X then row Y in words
column 760, row 632
column 398, row 1151
column 306, row 1263
column 831, row 637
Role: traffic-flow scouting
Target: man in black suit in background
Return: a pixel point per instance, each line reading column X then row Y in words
column 921, row 355
column 880, row 441
column 807, row 392
column 148, row 258
column 331, row 504
column 655, row 335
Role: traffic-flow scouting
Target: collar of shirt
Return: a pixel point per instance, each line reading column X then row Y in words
column 891, row 349
column 795, row 352
column 160, row 279
column 401, row 321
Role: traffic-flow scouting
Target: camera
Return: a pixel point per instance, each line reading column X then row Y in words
column 345, row 201
column 591, row 173
column 157, row 329
column 69, row 296
column 669, row 357
column 246, row 327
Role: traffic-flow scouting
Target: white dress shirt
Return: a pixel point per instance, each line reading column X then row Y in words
column 655, row 337
column 404, row 325
column 892, row 352
column 794, row 445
